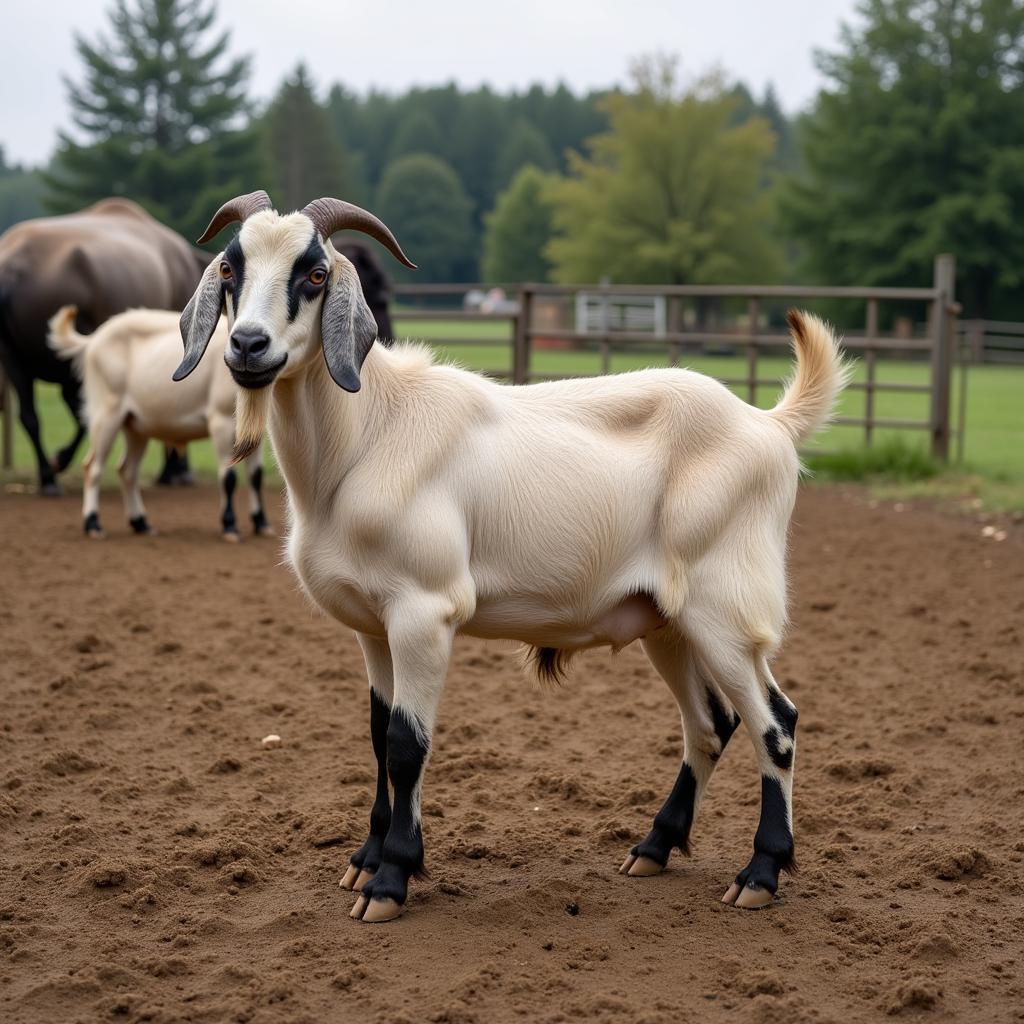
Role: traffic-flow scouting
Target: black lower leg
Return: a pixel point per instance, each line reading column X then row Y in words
column 402, row 853
column 227, row 519
column 673, row 822
column 139, row 524
column 91, row 523
column 71, row 393
column 30, row 421
column 773, row 842
column 259, row 518
column 368, row 856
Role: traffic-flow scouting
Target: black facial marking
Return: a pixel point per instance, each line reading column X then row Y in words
column 724, row 723
column 298, row 285
column 368, row 856
column 227, row 519
column 236, row 258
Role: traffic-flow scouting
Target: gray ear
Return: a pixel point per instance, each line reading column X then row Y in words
column 199, row 318
column 347, row 326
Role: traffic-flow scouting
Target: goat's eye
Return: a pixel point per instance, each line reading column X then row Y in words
column 225, row 270
column 317, row 276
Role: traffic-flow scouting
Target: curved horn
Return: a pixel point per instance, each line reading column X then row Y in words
column 330, row 215
column 238, row 208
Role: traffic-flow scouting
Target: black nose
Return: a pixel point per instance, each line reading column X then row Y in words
column 247, row 344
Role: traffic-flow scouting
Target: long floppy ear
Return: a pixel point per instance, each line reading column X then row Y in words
column 347, row 326
column 199, row 318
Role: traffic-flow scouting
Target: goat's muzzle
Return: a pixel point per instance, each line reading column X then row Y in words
column 248, row 358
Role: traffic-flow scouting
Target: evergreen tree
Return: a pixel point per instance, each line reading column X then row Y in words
column 916, row 147
column 21, row 192
column 161, row 114
column 523, row 145
column 422, row 200
column 305, row 157
column 671, row 194
column 519, row 229
column 417, row 132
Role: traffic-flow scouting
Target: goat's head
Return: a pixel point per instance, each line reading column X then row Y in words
column 287, row 292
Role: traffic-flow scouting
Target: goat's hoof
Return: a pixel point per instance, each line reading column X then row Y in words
column 96, row 533
column 364, row 877
column 231, row 536
column 141, row 528
column 746, row 898
column 265, row 531
column 376, row 911
column 51, row 490
column 348, row 880
column 638, row 866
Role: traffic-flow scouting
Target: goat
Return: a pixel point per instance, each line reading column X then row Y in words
column 103, row 259
column 427, row 501
column 123, row 366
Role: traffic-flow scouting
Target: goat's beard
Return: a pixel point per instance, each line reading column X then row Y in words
column 252, row 406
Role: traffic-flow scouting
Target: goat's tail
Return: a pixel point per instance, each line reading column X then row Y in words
column 64, row 339
column 821, row 374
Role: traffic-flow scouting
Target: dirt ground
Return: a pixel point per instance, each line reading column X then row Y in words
column 156, row 864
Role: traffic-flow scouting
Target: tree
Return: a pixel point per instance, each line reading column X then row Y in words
column 161, row 114
column 671, row 194
column 21, row 192
column 417, row 132
column 523, row 145
column 305, row 157
column 519, row 229
column 422, row 200
column 915, row 147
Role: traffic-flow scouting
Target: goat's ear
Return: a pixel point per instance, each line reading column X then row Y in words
column 199, row 318
column 347, row 326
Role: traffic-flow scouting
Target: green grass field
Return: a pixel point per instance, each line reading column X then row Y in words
column 994, row 439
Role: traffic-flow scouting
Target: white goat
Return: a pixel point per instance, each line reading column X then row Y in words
column 125, row 366
column 430, row 501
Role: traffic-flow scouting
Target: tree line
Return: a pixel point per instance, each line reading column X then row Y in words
column 914, row 146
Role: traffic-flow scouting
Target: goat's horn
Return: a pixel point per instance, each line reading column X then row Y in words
column 238, row 208
column 330, row 215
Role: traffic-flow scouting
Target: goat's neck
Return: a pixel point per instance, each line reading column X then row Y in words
column 317, row 431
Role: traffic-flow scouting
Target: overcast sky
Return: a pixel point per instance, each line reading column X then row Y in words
column 393, row 45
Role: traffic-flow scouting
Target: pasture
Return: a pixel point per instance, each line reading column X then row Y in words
column 994, row 441
column 159, row 865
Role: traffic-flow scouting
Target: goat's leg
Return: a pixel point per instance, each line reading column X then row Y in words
column 134, row 510
column 708, row 723
column 102, row 432
column 743, row 674
column 71, row 392
column 420, row 639
column 254, row 470
column 365, row 861
column 222, row 433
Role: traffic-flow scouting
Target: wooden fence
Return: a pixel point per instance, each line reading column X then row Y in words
column 992, row 341
column 937, row 345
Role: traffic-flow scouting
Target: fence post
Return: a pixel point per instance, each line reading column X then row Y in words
column 943, row 330
column 521, row 338
column 7, row 412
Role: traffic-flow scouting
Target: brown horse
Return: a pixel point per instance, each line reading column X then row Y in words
column 103, row 260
